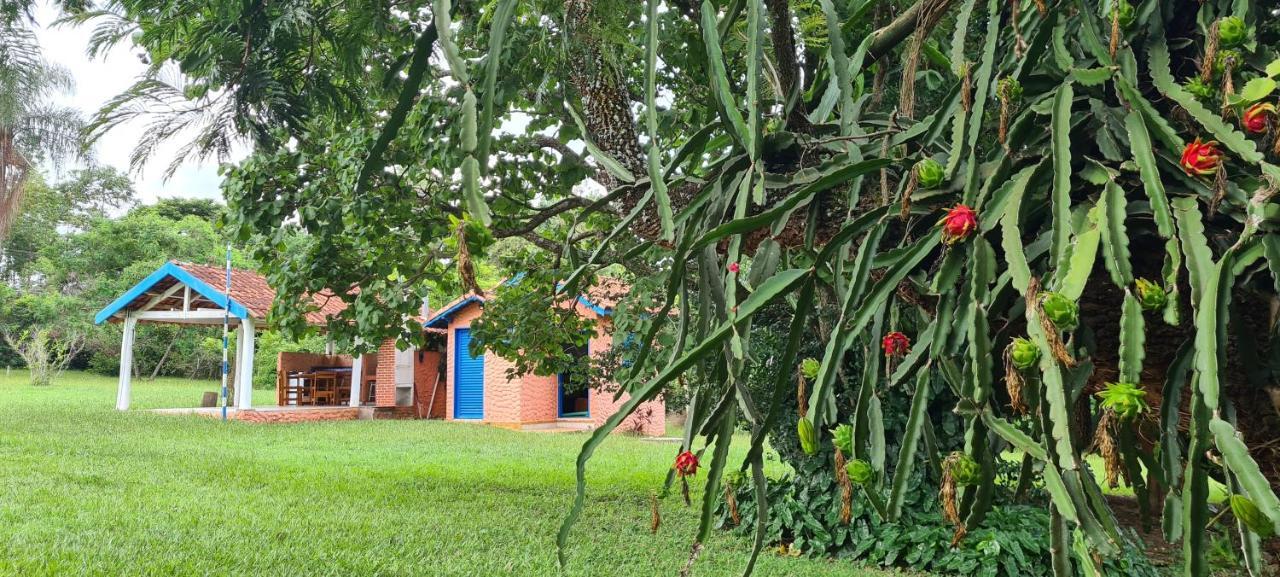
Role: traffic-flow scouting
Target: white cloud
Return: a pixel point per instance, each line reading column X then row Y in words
column 97, row 81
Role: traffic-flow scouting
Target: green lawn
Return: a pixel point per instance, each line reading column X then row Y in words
column 86, row 490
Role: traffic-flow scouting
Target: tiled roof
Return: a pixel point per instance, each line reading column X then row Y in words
column 251, row 289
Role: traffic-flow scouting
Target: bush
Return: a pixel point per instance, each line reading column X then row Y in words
column 45, row 351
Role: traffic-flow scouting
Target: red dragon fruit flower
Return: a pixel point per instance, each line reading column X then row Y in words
column 1257, row 117
column 958, row 224
column 1201, row 158
column 686, row 464
column 895, row 344
column 733, row 267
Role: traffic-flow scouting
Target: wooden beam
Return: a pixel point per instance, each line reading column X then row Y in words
column 202, row 315
column 161, row 297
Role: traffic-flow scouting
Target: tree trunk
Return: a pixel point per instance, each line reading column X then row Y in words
column 160, row 363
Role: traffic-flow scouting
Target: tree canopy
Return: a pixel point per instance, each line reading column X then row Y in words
column 922, row 186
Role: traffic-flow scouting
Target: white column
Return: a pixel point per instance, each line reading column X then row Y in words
column 244, row 366
column 126, row 363
column 357, row 378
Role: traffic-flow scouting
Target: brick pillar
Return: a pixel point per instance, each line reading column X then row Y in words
column 425, row 373
column 385, row 392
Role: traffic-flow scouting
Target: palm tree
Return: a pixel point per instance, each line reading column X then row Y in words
column 32, row 129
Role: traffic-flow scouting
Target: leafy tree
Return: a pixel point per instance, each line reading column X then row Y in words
column 32, row 130
column 963, row 173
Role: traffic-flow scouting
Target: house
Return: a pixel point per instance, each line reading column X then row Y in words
column 477, row 387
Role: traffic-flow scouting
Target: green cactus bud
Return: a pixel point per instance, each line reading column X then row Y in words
column 1126, row 400
column 1224, row 56
column 1248, row 513
column 1010, row 89
column 735, row 478
column 809, row 368
column 1200, row 89
column 1061, row 311
column 1126, row 13
column 930, row 174
column 859, row 471
column 1232, row 31
column 1024, row 353
column 1151, row 295
column 808, row 436
column 964, row 470
column 842, row 438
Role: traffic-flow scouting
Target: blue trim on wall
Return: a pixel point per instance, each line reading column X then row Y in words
column 604, row 312
column 172, row 270
column 448, row 313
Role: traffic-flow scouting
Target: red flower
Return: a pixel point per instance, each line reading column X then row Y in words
column 686, row 464
column 1201, row 158
column 733, row 267
column 958, row 224
column 1257, row 116
column 895, row 344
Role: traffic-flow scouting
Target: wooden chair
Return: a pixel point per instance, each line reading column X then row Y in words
column 343, row 396
column 325, row 384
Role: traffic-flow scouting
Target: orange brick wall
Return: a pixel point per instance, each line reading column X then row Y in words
column 535, row 399
column 425, row 370
column 385, row 391
column 333, row 414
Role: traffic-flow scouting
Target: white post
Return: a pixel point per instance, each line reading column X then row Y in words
column 357, row 378
column 126, row 363
column 328, row 346
column 244, row 368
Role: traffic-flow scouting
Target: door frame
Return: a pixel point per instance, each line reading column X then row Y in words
column 560, row 414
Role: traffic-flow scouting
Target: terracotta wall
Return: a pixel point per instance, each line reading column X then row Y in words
column 385, row 391
column 510, row 402
column 426, row 369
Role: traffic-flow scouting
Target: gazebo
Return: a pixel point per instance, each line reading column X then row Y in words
column 192, row 294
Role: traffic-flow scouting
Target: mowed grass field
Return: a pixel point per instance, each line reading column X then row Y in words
column 87, row 490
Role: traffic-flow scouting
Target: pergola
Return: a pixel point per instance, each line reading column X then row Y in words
column 191, row 294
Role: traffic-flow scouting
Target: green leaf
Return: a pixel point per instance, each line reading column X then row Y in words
column 502, row 16
column 1091, row 76
column 771, row 290
column 609, row 163
column 1158, row 61
column 1255, row 485
column 720, row 87
column 1115, row 238
column 1273, row 68
column 1257, row 89
column 836, row 173
column 1061, row 202
column 1144, row 157
column 1132, row 339
column 1081, row 258
column 910, row 439
column 665, row 215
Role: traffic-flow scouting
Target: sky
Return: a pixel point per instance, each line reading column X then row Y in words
column 97, row 80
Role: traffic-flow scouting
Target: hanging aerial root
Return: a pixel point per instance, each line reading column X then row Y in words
column 684, row 492
column 1115, row 32
column 966, row 87
column 1210, row 53
column 1219, row 190
column 656, row 520
column 1228, row 87
column 1051, row 332
column 802, row 396
column 846, row 489
column 731, row 502
column 1014, row 382
column 466, row 270
column 1104, row 443
column 1040, row 5
column 912, row 183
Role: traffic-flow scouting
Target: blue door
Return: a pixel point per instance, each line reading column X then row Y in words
column 468, row 378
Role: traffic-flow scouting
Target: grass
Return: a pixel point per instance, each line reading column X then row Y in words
column 87, row 490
